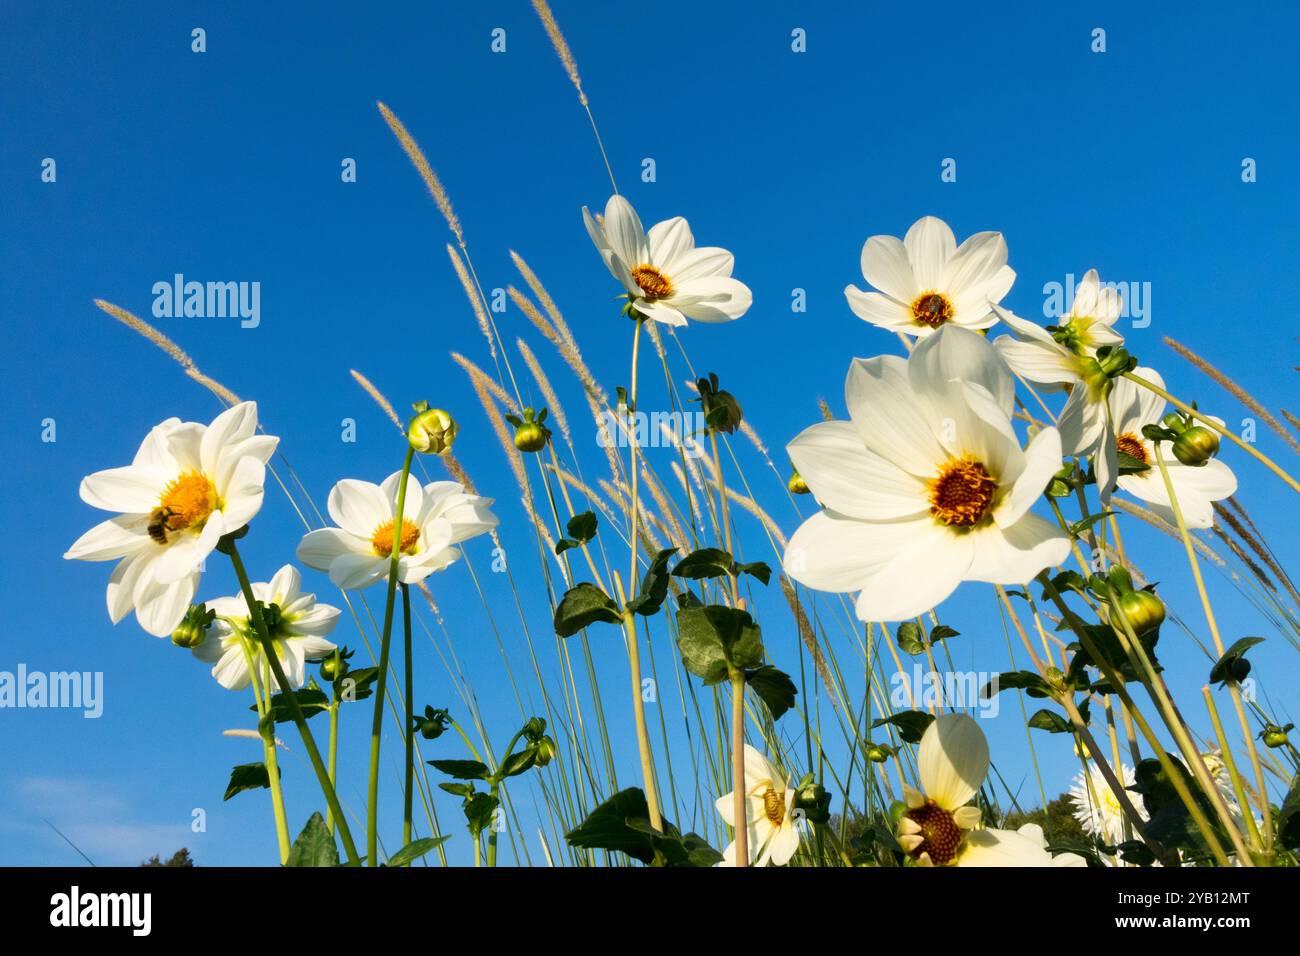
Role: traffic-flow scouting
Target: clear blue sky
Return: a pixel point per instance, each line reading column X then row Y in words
column 225, row 166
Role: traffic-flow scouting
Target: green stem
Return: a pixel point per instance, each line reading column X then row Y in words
column 377, row 722
column 267, row 732
column 295, row 710
column 1211, row 423
column 408, row 732
column 739, row 806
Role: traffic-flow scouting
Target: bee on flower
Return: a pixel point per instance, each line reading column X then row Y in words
column 188, row 485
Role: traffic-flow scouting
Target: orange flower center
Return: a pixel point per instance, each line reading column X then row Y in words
column 774, row 806
column 940, row 835
column 186, row 502
column 931, row 309
column 962, row 493
column 653, row 283
column 382, row 540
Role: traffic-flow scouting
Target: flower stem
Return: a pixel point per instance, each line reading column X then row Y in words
column 638, row 709
column 267, row 733
column 295, row 710
column 740, row 802
column 629, row 618
column 377, row 722
column 408, row 730
column 1213, row 625
column 1211, row 423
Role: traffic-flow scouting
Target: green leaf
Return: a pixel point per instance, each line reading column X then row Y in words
column 622, row 824
column 911, row 724
column 1128, row 465
column 774, row 687
column 1233, row 666
column 247, row 776
column 518, row 763
column 942, row 632
column 581, row 529
column 1050, row 721
column 1288, row 818
column 357, row 684
column 479, row 809
column 415, row 849
column 758, row 569
column 314, row 846
column 704, row 563
column 584, row 605
column 311, row 699
column 654, row 587
column 911, row 639
column 1027, row 681
column 457, row 789
column 461, row 769
column 1079, row 527
column 715, row 639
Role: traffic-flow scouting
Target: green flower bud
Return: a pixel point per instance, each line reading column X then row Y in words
column 544, row 751
column 878, row 753
column 722, row 412
column 534, row 729
column 432, row 724
column 1196, row 445
column 531, row 435
column 1274, row 736
column 1174, row 422
column 815, row 803
column 796, row 484
column 193, row 629
column 335, row 665
column 431, row 431
column 1145, row 612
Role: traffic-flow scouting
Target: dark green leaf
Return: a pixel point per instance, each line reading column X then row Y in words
column 584, row 605
column 704, row 563
column 1233, row 666
column 654, row 587
column 911, row 724
column 1050, row 721
column 415, row 849
column 461, row 769
column 1027, row 681
column 311, row 699
column 758, row 569
column 774, row 687
column 518, row 762
column 715, row 639
column 247, row 776
column 357, row 684
column 314, row 846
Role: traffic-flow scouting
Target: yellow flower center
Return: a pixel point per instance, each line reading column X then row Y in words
column 940, row 835
column 1134, row 447
column 382, row 540
column 962, row 493
column 774, row 806
column 653, row 283
column 186, row 502
column 931, row 309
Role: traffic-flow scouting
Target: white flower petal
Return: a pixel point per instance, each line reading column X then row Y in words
column 319, row 548
column 848, row 479
column 1016, row 554
column 160, row 607
column 885, row 265
column 235, row 424
column 925, row 570
column 953, row 760
column 880, row 310
column 668, row 241
column 887, row 414
column 130, row 489
column 1042, row 461
column 359, row 507
column 112, row 539
column 930, row 244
